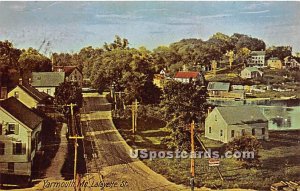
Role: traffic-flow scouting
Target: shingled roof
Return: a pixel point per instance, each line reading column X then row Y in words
column 67, row 69
column 21, row 112
column 252, row 69
column 47, row 79
column 39, row 96
column 183, row 74
column 234, row 115
column 220, row 86
column 258, row 53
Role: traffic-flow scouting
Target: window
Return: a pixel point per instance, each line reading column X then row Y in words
column 1, row 129
column 215, row 117
column 209, row 130
column 243, row 132
column 253, row 132
column 232, row 133
column 263, row 131
column 48, row 91
column 16, row 94
column 11, row 167
column 19, row 148
column 221, row 133
column 13, row 128
column 2, row 148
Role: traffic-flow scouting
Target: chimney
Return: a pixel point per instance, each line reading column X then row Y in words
column 208, row 110
column 20, row 81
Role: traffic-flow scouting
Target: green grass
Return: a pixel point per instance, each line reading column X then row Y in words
column 280, row 161
column 150, row 132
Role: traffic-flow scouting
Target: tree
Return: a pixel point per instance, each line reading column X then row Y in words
column 244, row 41
column 9, row 56
column 243, row 55
column 150, row 93
column 246, row 143
column 67, row 93
column 164, row 57
column 280, row 52
column 118, row 43
column 127, row 69
column 31, row 60
column 182, row 104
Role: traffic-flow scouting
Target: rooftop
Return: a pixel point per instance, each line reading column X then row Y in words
column 67, row 69
column 274, row 58
column 258, row 53
column 21, row 112
column 39, row 96
column 223, row 86
column 183, row 74
column 47, row 79
column 241, row 114
column 252, row 69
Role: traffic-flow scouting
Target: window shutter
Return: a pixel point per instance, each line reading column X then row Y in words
column 23, row 148
column 14, row 148
column 17, row 129
column 5, row 126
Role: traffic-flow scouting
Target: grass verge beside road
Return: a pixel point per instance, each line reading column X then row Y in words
column 280, row 159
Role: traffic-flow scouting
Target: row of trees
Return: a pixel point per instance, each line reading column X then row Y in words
column 15, row 63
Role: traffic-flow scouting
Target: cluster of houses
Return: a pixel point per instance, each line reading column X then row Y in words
column 225, row 123
column 258, row 60
column 22, row 118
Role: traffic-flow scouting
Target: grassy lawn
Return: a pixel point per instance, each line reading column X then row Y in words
column 280, row 161
column 150, row 132
column 280, row 158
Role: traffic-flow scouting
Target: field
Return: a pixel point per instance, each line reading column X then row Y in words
column 149, row 134
column 279, row 156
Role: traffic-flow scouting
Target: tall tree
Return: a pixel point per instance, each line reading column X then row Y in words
column 32, row 60
column 182, row 103
column 67, row 93
column 9, row 56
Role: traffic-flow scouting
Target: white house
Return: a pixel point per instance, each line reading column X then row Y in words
column 187, row 77
column 47, row 81
column 226, row 123
column 251, row 72
column 257, row 59
column 20, row 141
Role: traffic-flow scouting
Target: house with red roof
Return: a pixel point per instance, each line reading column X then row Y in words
column 72, row 73
column 188, row 76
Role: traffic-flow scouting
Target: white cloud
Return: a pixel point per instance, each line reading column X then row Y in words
column 20, row 6
column 117, row 16
column 255, row 12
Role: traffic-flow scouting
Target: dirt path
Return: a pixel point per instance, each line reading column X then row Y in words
column 54, row 171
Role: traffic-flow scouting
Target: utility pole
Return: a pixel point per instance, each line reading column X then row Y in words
column 75, row 137
column 192, row 156
column 134, row 109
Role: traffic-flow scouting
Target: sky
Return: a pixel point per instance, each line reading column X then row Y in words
column 70, row 26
